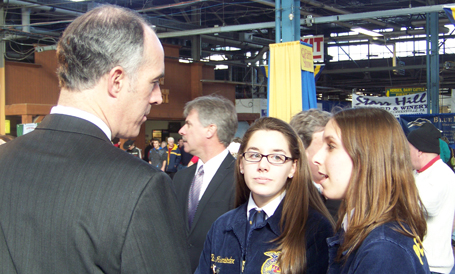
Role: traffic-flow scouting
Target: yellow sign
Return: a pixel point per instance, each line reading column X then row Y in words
column 390, row 92
column 7, row 127
column 306, row 58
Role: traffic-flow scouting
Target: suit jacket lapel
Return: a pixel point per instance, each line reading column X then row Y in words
column 216, row 181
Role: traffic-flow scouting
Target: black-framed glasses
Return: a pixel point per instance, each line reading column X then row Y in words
column 256, row 157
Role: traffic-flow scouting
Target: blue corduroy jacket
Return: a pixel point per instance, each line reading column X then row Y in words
column 226, row 246
column 384, row 250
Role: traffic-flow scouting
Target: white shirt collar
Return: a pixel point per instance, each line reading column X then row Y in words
column 269, row 208
column 345, row 222
column 210, row 169
column 83, row 115
column 318, row 187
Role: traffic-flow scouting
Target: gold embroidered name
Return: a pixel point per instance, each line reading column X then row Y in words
column 418, row 249
column 220, row 260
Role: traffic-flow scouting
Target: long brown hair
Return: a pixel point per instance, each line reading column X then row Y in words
column 300, row 195
column 381, row 188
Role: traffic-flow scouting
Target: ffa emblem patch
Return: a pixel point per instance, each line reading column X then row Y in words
column 270, row 266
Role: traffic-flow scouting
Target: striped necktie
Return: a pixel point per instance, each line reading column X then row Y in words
column 195, row 190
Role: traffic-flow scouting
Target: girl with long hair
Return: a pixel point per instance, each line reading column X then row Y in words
column 366, row 162
column 280, row 223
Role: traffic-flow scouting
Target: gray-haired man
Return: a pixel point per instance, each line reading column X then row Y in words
column 210, row 125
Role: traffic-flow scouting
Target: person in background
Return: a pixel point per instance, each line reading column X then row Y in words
column 173, row 157
column 309, row 125
column 365, row 161
column 131, row 148
column 147, row 149
column 447, row 152
column 436, row 184
column 453, row 246
column 186, row 157
column 157, row 155
column 70, row 201
column 280, row 223
column 116, row 142
column 163, row 144
column 206, row 190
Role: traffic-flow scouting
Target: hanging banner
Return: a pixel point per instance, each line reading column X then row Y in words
column 317, row 71
column 285, row 80
column 407, row 104
column 318, row 46
column 443, row 121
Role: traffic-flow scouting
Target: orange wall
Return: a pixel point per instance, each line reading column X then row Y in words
column 37, row 83
column 177, row 80
column 32, row 83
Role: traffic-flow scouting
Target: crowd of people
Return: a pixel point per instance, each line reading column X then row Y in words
column 346, row 192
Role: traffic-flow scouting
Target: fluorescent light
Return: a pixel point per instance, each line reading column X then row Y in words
column 366, row 32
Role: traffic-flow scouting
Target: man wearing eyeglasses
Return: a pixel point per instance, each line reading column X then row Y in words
column 206, row 191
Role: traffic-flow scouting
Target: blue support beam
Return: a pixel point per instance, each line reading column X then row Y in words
column 287, row 20
column 277, row 21
column 432, row 57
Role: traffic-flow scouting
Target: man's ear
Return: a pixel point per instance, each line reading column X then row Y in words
column 419, row 153
column 116, row 81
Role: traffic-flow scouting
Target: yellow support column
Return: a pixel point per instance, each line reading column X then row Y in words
column 2, row 78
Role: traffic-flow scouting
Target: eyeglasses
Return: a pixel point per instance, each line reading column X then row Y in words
column 256, row 157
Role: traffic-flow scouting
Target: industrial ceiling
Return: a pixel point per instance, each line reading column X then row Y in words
column 204, row 28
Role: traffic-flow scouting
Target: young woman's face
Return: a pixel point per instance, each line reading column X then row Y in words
column 316, row 144
column 265, row 180
column 334, row 163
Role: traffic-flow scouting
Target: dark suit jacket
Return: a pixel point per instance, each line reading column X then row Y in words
column 217, row 199
column 71, row 202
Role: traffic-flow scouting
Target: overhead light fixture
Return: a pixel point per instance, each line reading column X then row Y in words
column 366, row 32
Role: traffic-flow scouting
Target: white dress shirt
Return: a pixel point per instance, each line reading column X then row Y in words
column 210, row 168
column 83, row 115
column 269, row 208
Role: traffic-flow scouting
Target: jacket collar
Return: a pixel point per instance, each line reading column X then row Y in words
column 221, row 177
column 66, row 123
column 238, row 225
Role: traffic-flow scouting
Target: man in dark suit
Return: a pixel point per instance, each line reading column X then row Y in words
column 71, row 202
column 206, row 191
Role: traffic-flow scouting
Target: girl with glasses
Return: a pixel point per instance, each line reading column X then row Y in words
column 366, row 162
column 280, row 223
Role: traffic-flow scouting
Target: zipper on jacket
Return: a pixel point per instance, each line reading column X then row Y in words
column 244, row 256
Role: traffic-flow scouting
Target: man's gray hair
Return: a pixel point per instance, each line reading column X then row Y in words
column 307, row 122
column 216, row 110
column 96, row 42
column 171, row 139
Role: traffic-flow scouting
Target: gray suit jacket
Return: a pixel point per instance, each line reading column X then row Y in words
column 71, row 202
column 216, row 200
